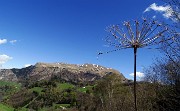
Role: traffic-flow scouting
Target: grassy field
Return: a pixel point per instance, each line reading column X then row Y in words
column 7, row 83
column 85, row 88
column 5, row 108
column 63, row 86
column 37, row 89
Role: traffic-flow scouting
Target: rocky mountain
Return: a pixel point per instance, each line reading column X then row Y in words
column 67, row 72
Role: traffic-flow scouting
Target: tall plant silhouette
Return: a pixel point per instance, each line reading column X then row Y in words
column 137, row 34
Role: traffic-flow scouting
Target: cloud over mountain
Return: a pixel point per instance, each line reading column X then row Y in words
column 4, row 58
column 138, row 74
column 27, row 65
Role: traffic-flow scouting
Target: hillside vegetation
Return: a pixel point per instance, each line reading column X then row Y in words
column 106, row 94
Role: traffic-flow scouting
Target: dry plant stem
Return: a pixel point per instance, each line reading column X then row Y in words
column 135, row 104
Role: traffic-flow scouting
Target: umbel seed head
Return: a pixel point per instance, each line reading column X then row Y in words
column 137, row 34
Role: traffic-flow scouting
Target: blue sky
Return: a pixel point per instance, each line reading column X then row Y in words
column 69, row 31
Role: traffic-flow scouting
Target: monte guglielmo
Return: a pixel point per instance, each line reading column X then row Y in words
column 67, row 72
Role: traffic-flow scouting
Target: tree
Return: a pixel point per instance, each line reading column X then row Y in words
column 144, row 33
column 112, row 95
column 174, row 10
column 165, row 76
column 163, row 72
column 172, row 49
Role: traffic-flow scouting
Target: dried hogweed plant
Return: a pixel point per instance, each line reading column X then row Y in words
column 137, row 34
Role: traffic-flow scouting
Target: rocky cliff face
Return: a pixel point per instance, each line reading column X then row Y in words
column 67, row 72
column 7, row 75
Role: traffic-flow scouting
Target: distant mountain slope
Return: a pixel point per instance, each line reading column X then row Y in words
column 67, row 72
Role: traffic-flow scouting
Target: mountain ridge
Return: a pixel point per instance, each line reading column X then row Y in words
column 67, row 72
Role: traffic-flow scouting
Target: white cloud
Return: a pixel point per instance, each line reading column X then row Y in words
column 165, row 10
column 3, row 41
column 4, row 58
column 157, row 8
column 27, row 65
column 13, row 41
column 138, row 74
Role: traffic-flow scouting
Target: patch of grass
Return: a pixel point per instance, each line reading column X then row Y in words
column 7, row 83
column 63, row 86
column 5, row 108
column 37, row 89
column 85, row 88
